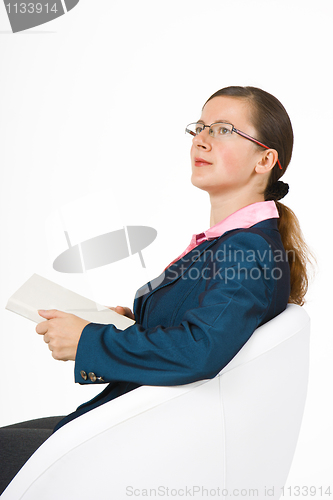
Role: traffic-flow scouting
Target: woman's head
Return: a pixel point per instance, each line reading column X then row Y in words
column 224, row 163
column 271, row 124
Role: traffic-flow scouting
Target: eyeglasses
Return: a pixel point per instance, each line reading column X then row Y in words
column 220, row 130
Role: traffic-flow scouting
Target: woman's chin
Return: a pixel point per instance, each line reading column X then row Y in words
column 199, row 181
column 203, row 183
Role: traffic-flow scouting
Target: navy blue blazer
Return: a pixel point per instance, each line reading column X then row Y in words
column 193, row 319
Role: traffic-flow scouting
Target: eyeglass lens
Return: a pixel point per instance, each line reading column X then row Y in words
column 215, row 130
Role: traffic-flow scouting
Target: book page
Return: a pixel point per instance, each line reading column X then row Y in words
column 41, row 293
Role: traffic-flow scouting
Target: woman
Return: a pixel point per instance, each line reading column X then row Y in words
column 232, row 278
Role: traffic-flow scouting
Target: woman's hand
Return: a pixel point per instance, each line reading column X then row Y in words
column 62, row 332
column 125, row 311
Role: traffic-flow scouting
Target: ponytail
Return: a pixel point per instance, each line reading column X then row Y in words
column 297, row 252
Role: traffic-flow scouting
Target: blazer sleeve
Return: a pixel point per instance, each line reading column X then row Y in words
column 232, row 306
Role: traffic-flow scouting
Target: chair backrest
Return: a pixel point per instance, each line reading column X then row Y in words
column 263, row 395
column 228, row 436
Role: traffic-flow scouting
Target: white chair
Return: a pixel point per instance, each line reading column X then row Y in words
column 234, row 435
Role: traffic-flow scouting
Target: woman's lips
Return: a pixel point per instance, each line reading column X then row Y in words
column 200, row 162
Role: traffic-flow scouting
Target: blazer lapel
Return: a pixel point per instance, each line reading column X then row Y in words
column 171, row 274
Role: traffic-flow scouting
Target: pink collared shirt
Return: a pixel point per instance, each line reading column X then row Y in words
column 244, row 218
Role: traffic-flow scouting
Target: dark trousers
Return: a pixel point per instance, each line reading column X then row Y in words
column 18, row 442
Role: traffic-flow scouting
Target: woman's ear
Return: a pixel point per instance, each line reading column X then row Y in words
column 267, row 161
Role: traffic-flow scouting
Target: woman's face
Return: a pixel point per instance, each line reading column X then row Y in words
column 231, row 160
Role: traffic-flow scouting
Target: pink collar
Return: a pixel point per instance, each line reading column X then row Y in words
column 244, row 218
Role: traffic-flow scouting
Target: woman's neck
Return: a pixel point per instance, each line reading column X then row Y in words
column 223, row 206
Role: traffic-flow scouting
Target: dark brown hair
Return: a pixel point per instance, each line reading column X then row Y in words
column 274, row 129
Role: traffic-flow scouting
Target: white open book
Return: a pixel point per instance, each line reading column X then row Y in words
column 40, row 293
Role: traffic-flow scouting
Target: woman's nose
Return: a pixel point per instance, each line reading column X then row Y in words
column 202, row 140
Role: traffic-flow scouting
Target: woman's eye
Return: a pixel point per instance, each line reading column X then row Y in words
column 198, row 130
column 223, row 131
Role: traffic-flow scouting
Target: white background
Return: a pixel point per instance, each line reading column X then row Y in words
column 92, row 113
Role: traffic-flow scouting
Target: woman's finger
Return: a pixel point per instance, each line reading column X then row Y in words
column 42, row 327
column 51, row 313
column 124, row 311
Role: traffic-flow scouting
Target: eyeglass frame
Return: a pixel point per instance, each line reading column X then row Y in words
column 239, row 132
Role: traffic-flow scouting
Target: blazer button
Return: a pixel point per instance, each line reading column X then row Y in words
column 92, row 377
column 83, row 375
